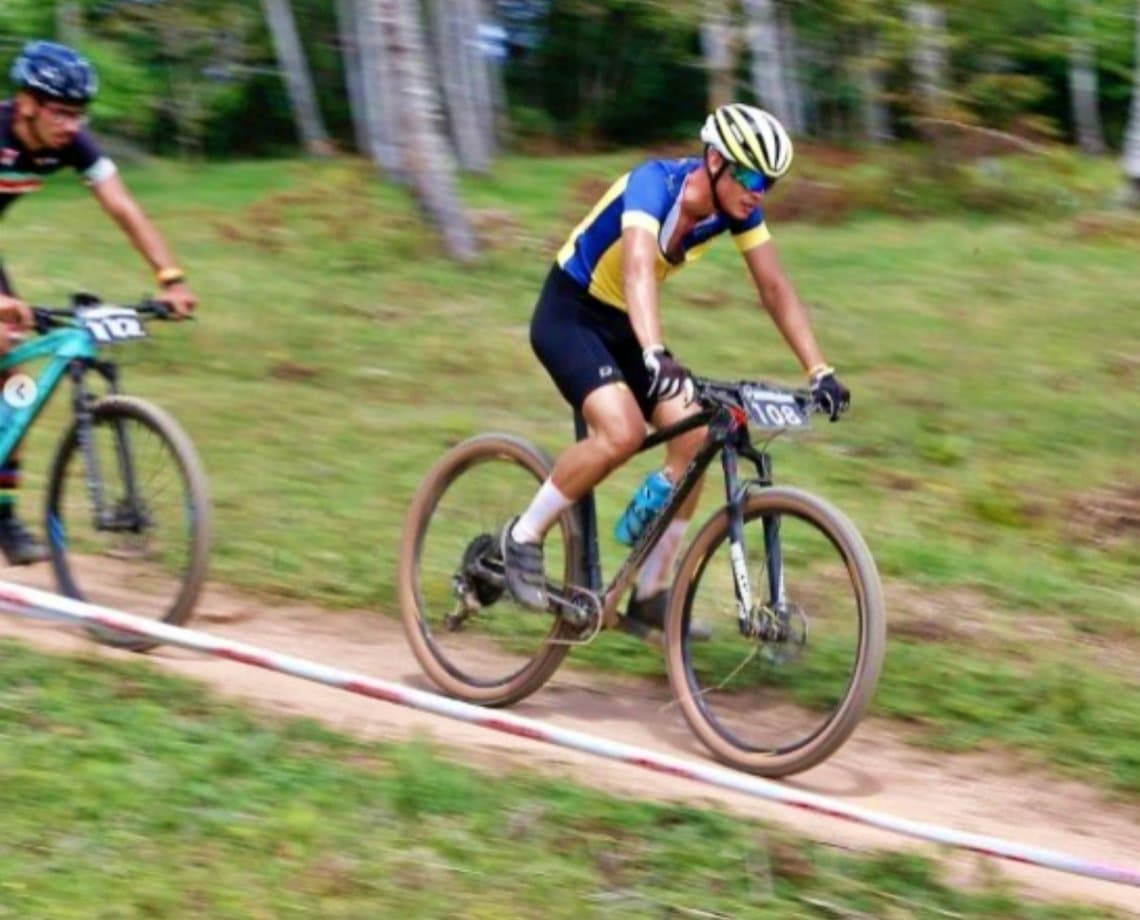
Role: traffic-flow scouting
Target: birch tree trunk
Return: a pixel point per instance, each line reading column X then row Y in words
column 717, row 46
column 1083, row 89
column 929, row 56
column 797, row 93
column 348, row 31
column 1132, row 136
column 769, row 64
column 380, row 95
column 466, row 87
column 876, row 118
column 298, row 82
column 485, row 77
column 69, row 22
column 426, row 154
column 493, row 59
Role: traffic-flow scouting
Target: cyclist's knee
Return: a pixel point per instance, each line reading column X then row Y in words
column 620, row 441
column 615, row 421
column 618, row 435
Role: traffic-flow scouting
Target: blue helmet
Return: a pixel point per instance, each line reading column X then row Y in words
column 56, row 72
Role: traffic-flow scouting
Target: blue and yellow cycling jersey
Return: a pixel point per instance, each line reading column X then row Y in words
column 648, row 196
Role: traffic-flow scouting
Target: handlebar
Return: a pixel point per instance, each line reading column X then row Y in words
column 48, row 318
column 713, row 394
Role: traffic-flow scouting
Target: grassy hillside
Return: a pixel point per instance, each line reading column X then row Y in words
column 127, row 794
column 989, row 458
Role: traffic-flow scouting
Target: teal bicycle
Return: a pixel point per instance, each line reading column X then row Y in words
column 127, row 512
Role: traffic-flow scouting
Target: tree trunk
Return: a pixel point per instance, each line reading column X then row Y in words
column 1083, row 83
column 796, row 92
column 426, row 154
column 298, row 82
column 1132, row 136
column 379, row 93
column 69, row 22
column 718, row 48
column 769, row 64
column 493, row 58
column 485, row 74
column 876, row 118
column 929, row 56
column 348, row 30
column 466, row 89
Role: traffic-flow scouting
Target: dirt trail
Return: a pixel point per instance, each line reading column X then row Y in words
column 981, row 793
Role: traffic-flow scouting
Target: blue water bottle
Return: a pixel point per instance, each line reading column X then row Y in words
column 645, row 505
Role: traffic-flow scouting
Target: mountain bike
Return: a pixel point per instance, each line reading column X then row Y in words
column 127, row 511
column 783, row 579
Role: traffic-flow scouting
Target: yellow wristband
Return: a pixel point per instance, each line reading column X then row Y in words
column 820, row 370
column 170, row 275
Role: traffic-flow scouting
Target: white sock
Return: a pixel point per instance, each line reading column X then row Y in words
column 531, row 527
column 655, row 572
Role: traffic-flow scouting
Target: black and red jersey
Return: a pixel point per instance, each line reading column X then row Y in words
column 23, row 171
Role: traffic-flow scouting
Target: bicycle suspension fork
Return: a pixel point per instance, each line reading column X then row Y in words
column 84, row 430
column 773, row 555
column 741, row 583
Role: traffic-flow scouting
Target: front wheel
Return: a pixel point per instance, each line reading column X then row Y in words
column 780, row 689
column 467, row 633
column 129, row 516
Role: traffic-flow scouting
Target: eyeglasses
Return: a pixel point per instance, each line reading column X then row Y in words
column 62, row 116
column 752, row 180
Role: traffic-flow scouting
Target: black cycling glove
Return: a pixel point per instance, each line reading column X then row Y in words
column 829, row 394
column 667, row 377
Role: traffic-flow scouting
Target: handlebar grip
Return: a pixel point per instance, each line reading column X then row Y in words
column 43, row 320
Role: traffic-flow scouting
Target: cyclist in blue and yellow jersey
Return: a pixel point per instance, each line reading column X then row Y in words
column 41, row 132
column 597, row 327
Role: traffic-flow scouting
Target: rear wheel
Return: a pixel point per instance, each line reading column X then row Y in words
column 467, row 633
column 783, row 692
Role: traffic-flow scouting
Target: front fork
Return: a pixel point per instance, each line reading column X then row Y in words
column 749, row 622
column 82, row 400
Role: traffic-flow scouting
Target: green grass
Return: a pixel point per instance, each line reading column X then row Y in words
column 993, row 363
column 130, row 794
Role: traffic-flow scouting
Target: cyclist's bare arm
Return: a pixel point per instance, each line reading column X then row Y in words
column 117, row 201
column 639, row 257
column 783, row 304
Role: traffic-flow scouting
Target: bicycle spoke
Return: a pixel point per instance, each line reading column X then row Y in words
column 782, row 689
column 465, row 628
column 139, row 554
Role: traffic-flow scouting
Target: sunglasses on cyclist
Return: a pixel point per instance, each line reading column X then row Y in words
column 752, row 180
column 63, row 115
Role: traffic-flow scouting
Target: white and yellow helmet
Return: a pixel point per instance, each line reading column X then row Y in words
column 751, row 137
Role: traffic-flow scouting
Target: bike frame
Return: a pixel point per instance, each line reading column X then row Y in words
column 728, row 436
column 64, row 348
column 71, row 351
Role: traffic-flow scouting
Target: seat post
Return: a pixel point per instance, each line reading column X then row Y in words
column 589, row 517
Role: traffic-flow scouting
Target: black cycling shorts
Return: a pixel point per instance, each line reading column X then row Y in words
column 584, row 343
column 5, row 284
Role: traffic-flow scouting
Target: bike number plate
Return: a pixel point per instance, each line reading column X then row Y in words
column 774, row 409
column 112, row 324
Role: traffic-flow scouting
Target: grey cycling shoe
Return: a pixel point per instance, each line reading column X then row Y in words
column 18, row 544
column 523, row 569
column 643, row 614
